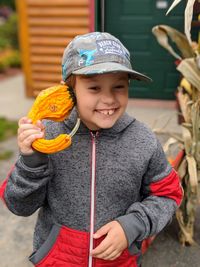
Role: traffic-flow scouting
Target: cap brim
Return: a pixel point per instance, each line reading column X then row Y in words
column 110, row 67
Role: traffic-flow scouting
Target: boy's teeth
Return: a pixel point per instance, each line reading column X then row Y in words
column 107, row 112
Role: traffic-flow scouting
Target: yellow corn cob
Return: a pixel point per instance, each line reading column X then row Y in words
column 186, row 85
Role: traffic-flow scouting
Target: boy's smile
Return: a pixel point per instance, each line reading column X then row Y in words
column 107, row 112
column 101, row 99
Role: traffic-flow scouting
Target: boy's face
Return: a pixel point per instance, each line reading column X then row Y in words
column 101, row 99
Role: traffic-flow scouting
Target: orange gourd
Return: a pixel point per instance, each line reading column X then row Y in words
column 54, row 103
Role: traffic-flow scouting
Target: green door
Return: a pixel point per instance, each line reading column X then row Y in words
column 132, row 21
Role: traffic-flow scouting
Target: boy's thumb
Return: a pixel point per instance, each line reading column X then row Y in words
column 102, row 231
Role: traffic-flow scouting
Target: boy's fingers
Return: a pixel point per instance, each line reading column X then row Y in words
column 31, row 139
column 106, row 254
column 27, row 127
column 109, row 254
column 102, row 231
column 25, row 134
column 24, row 120
column 113, row 256
column 104, row 245
column 40, row 125
column 27, row 143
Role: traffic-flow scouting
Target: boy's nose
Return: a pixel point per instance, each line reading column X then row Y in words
column 108, row 98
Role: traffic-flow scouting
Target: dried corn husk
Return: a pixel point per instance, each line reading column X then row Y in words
column 162, row 32
column 162, row 39
column 184, row 103
column 187, row 231
column 188, row 68
column 175, row 3
column 186, row 213
column 192, row 170
column 188, row 16
column 187, row 138
column 188, row 19
column 182, row 170
column 198, row 57
column 169, row 142
column 195, row 116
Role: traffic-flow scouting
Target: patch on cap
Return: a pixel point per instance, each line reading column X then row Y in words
column 109, row 46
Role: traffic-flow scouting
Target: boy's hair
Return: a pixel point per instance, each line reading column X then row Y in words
column 71, row 81
column 97, row 53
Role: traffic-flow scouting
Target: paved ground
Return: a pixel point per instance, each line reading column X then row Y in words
column 16, row 232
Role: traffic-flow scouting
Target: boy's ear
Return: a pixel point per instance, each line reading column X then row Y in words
column 72, row 93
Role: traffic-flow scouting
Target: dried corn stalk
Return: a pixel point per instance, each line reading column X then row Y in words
column 188, row 95
column 189, row 170
column 188, row 173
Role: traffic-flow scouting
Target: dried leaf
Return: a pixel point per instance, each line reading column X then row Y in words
column 186, row 236
column 188, row 19
column 162, row 39
column 162, row 32
column 188, row 68
column 184, row 100
column 195, row 111
column 192, row 169
column 182, row 169
column 187, row 138
column 175, row 3
column 169, row 142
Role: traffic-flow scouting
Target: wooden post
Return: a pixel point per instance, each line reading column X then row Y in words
column 45, row 29
column 23, row 33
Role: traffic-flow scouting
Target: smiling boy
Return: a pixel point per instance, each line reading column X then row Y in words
column 113, row 187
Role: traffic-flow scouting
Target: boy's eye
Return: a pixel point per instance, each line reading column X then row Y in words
column 120, row 86
column 93, row 88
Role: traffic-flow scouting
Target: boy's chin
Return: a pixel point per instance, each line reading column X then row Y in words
column 101, row 124
column 105, row 125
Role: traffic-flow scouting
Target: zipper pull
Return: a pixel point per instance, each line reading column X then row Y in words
column 94, row 134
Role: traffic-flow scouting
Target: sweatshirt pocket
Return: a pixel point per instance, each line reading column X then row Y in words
column 64, row 247
column 48, row 246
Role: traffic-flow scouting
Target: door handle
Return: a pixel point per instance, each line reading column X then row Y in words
column 162, row 4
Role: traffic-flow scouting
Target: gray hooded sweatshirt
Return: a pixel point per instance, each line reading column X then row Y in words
column 119, row 174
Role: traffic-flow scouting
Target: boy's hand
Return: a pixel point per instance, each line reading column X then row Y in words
column 113, row 244
column 27, row 133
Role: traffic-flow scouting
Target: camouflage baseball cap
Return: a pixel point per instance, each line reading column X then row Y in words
column 97, row 53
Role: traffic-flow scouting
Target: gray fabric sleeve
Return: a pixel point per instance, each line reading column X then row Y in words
column 153, row 213
column 26, row 188
column 132, row 226
column 35, row 159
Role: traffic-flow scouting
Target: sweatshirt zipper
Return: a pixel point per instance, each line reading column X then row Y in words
column 92, row 195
